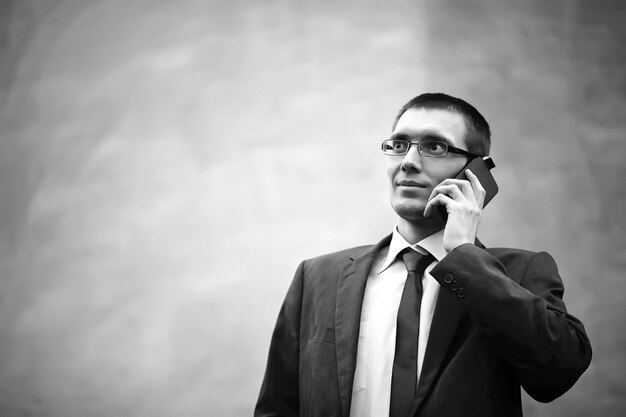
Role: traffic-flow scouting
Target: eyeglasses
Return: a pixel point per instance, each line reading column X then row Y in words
column 430, row 148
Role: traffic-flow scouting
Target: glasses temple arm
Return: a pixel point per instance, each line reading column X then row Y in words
column 462, row 152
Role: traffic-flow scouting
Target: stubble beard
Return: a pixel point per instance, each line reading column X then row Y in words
column 409, row 211
column 413, row 213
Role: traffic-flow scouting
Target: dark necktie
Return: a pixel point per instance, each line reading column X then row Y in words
column 404, row 375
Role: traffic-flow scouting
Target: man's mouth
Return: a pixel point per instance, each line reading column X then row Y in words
column 411, row 183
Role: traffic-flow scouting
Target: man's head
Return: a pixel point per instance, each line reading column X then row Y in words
column 478, row 133
column 431, row 119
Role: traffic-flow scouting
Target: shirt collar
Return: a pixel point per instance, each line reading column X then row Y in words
column 432, row 244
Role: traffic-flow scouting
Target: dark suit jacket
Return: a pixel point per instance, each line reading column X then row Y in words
column 499, row 323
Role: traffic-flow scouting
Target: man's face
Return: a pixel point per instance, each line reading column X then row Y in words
column 413, row 176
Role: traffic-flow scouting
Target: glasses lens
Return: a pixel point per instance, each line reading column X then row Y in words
column 433, row 148
column 395, row 147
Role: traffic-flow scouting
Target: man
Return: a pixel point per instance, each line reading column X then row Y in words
column 485, row 321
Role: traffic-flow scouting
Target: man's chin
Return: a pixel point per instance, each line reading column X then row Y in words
column 409, row 211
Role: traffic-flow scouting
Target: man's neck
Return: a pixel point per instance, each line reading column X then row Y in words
column 415, row 230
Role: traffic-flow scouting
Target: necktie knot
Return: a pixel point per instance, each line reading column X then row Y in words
column 415, row 261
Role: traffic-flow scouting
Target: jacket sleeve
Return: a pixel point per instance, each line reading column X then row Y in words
column 520, row 309
column 279, row 396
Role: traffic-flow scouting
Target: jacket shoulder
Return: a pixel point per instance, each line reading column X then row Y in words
column 340, row 255
column 513, row 253
column 520, row 258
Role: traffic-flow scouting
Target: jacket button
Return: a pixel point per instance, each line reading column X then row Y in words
column 447, row 278
column 454, row 285
column 460, row 292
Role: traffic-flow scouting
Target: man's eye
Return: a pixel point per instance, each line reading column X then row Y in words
column 399, row 146
column 435, row 147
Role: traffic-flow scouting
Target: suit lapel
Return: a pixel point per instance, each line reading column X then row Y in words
column 350, row 292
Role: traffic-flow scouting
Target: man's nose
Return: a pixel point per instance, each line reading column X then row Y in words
column 412, row 160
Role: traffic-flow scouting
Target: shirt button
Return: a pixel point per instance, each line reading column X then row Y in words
column 447, row 278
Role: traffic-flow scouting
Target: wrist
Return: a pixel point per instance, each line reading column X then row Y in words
column 455, row 244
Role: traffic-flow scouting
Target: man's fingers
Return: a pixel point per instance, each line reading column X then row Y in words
column 464, row 185
column 438, row 200
column 451, row 190
column 454, row 190
column 471, row 188
column 479, row 191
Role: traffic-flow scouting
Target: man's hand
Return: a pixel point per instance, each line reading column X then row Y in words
column 463, row 200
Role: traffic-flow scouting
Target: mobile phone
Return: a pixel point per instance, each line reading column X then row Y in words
column 481, row 167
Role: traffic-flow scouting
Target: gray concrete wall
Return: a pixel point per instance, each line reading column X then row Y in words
column 164, row 166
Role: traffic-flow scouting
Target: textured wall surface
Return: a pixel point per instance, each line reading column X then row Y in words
column 164, row 166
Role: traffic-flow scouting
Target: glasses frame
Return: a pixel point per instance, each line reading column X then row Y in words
column 449, row 148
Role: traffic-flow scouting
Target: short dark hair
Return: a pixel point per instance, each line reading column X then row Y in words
column 478, row 136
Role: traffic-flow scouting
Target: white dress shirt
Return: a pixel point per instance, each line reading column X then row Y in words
column 371, row 391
